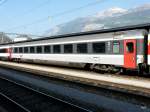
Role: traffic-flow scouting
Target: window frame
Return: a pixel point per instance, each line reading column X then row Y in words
column 54, row 49
column 44, row 48
column 15, row 50
column 113, row 47
column 127, row 49
column 68, row 52
column 31, row 49
column 39, row 51
column 20, row 49
column 77, row 50
column 25, row 49
column 4, row 50
column 97, row 52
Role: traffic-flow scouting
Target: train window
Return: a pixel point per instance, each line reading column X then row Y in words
column 82, row 48
column 20, row 50
column 68, row 48
column 47, row 49
column 56, row 49
column 32, row 49
column 39, row 49
column 26, row 50
column 15, row 50
column 2, row 50
column 130, row 47
column 99, row 47
column 116, row 47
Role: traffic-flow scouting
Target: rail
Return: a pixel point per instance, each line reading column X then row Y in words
column 31, row 100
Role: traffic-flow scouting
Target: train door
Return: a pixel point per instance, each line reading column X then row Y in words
column 130, row 53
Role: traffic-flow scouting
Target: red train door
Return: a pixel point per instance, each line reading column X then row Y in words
column 130, row 53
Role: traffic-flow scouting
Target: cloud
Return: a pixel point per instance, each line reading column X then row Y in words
column 111, row 12
column 92, row 26
column 141, row 7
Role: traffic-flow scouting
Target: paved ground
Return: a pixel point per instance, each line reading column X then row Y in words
column 129, row 84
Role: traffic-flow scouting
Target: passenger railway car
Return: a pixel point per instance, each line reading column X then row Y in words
column 104, row 50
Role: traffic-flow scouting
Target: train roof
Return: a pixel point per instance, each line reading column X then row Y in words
column 125, row 28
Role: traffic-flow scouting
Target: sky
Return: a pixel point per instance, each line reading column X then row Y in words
column 36, row 16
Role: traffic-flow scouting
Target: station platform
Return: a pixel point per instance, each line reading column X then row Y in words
column 138, row 86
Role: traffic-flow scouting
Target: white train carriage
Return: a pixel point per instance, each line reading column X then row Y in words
column 111, row 51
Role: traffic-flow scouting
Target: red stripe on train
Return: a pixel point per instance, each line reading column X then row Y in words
column 148, row 48
column 9, row 51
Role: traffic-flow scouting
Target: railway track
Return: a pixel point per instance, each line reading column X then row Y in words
column 138, row 86
column 89, row 97
column 96, row 99
column 25, row 99
column 8, row 105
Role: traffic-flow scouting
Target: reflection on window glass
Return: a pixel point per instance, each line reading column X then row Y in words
column 56, row 49
column 47, row 49
column 32, row 49
column 130, row 47
column 68, row 48
column 82, row 48
column 39, row 49
column 116, row 47
column 20, row 50
column 99, row 47
column 25, row 49
column 15, row 50
column 2, row 50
